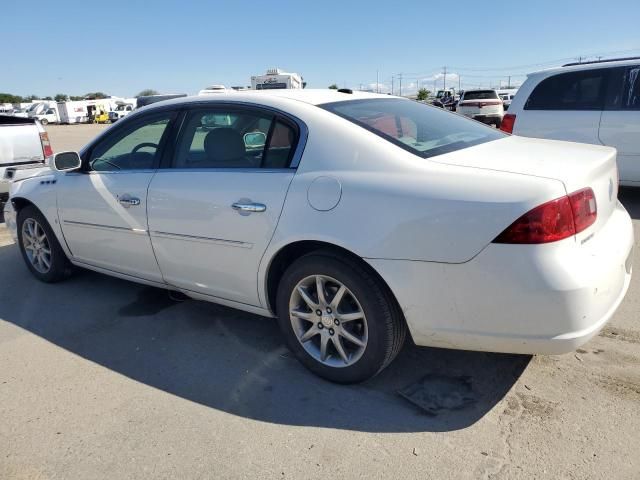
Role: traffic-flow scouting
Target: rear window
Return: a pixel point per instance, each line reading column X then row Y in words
column 421, row 129
column 569, row 91
column 481, row 95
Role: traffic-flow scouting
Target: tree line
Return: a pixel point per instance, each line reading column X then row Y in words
column 63, row 97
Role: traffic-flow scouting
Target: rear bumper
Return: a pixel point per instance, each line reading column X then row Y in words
column 528, row 299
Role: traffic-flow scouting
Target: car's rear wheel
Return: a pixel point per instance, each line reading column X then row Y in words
column 40, row 248
column 339, row 320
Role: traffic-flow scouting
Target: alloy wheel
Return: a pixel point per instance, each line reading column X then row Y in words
column 36, row 245
column 328, row 321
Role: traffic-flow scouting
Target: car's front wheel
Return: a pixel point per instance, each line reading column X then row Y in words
column 40, row 248
column 338, row 318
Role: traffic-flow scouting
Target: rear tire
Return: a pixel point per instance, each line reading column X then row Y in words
column 362, row 331
column 40, row 248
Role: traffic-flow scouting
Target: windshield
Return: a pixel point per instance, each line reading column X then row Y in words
column 421, row 129
column 481, row 95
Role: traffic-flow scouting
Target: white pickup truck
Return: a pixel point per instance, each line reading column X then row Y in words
column 24, row 146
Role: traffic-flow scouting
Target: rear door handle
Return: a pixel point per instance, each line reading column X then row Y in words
column 249, row 207
column 129, row 201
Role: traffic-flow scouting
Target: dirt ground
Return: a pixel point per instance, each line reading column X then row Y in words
column 105, row 379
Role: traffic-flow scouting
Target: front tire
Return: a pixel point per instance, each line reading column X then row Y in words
column 44, row 121
column 338, row 318
column 40, row 248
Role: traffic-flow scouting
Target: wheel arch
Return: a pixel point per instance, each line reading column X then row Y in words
column 20, row 202
column 289, row 253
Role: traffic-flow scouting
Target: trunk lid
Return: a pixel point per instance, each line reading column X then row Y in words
column 576, row 165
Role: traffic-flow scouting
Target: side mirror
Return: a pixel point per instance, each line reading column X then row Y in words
column 255, row 140
column 67, row 161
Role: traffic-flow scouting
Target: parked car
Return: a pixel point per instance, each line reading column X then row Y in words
column 20, row 113
column 49, row 115
column 121, row 111
column 595, row 102
column 506, row 98
column 353, row 218
column 482, row 105
column 23, row 144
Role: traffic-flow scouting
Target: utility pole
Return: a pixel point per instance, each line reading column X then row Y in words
column 444, row 79
column 391, row 84
column 400, row 78
column 377, row 83
column 459, row 83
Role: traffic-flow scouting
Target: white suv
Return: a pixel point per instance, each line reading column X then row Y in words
column 482, row 105
column 596, row 102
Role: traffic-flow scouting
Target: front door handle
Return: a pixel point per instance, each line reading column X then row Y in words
column 249, row 207
column 128, row 201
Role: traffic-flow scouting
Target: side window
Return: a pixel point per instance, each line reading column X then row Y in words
column 136, row 148
column 569, row 91
column 281, row 146
column 234, row 138
column 632, row 92
column 623, row 91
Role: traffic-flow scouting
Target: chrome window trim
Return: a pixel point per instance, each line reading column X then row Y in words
column 225, row 169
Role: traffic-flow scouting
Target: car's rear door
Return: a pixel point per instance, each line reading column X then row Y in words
column 103, row 209
column 213, row 211
column 620, row 122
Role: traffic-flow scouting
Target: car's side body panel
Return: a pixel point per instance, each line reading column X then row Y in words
column 201, row 242
column 102, row 231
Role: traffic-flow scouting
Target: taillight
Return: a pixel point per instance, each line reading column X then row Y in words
column 508, row 121
column 585, row 210
column 46, row 144
column 552, row 221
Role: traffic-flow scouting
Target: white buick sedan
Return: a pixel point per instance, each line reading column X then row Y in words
column 352, row 218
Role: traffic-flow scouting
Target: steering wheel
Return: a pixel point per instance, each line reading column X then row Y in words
column 142, row 145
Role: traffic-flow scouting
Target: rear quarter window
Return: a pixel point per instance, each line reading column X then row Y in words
column 582, row 90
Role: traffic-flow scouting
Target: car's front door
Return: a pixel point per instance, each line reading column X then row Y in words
column 620, row 122
column 103, row 208
column 214, row 211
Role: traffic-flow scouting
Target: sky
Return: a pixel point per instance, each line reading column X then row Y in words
column 122, row 47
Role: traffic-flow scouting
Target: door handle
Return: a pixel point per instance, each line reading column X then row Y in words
column 249, row 207
column 128, row 201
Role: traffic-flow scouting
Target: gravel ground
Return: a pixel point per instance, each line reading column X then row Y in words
column 101, row 378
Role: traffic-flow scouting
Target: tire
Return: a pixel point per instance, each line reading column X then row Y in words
column 44, row 121
column 57, row 267
column 381, row 331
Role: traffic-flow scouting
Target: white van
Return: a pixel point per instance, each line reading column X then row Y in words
column 594, row 102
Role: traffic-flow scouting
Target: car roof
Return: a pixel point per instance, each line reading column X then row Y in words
column 310, row 96
column 588, row 66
